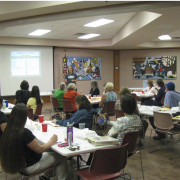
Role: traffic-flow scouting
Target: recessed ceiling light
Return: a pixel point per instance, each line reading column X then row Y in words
column 165, row 37
column 88, row 36
column 39, row 32
column 99, row 22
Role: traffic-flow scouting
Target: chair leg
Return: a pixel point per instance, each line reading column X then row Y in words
column 141, row 164
column 150, row 140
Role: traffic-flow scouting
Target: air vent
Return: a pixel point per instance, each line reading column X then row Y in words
column 80, row 34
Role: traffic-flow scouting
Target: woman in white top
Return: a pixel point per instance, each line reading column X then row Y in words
column 149, row 89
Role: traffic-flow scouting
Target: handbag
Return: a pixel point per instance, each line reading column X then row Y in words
column 56, row 116
column 101, row 121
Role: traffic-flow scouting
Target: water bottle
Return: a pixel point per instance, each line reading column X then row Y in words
column 69, row 129
column 70, row 139
column 179, row 105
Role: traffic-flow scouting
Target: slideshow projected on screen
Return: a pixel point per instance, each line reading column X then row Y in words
column 25, row 63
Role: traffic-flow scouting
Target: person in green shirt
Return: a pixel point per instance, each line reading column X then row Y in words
column 59, row 94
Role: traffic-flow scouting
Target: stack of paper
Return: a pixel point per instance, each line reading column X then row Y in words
column 103, row 140
column 83, row 134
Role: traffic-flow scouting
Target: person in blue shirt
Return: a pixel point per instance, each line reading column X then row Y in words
column 84, row 114
column 172, row 97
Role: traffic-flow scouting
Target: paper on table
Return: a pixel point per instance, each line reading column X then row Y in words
column 165, row 109
column 83, row 134
column 53, row 124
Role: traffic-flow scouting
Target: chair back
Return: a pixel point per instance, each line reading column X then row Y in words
column 55, row 102
column 163, row 120
column 109, row 107
column 162, row 100
column 131, row 139
column 119, row 113
column 135, row 96
column 39, row 109
column 30, row 113
column 67, row 106
column 109, row 161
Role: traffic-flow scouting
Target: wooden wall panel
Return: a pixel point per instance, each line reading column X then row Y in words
column 116, row 71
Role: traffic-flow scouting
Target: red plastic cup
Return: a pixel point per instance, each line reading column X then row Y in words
column 41, row 118
column 142, row 92
column 44, row 127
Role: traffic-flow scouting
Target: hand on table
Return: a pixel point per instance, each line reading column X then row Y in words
column 54, row 121
column 153, row 91
column 53, row 139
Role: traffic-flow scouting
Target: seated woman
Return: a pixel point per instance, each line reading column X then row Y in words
column 94, row 88
column 124, row 91
column 3, row 118
column 59, row 94
column 149, row 89
column 22, row 95
column 108, row 96
column 94, row 91
column 71, row 94
column 129, row 122
column 34, row 100
column 21, row 152
column 84, row 114
column 158, row 96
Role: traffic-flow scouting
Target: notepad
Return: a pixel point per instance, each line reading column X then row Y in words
column 165, row 109
column 53, row 124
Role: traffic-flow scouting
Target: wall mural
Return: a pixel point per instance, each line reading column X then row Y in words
column 86, row 68
column 156, row 67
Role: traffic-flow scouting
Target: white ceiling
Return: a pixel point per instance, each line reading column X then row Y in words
column 66, row 29
column 136, row 26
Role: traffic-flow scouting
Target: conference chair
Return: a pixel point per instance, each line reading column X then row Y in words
column 106, row 164
column 135, row 96
column 109, row 108
column 39, row 109
column 131, row 139
column 37, row 113
column 119, row 113
column 53, row 169
column 68, row 107
column 54, row 104
column 164, row 125
column 30, row 113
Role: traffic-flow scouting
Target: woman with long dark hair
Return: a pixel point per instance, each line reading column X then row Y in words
column 34, row 100
column 21, row 152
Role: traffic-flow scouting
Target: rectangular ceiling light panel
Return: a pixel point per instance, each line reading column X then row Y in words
column 39, row 32
column 88, row 36
column 165, row 37
column 99, row 22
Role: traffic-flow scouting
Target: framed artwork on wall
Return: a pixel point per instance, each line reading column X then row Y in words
column 86, row 68
column 155, row 67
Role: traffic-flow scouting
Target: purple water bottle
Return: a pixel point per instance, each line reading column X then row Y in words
column 69, row 129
